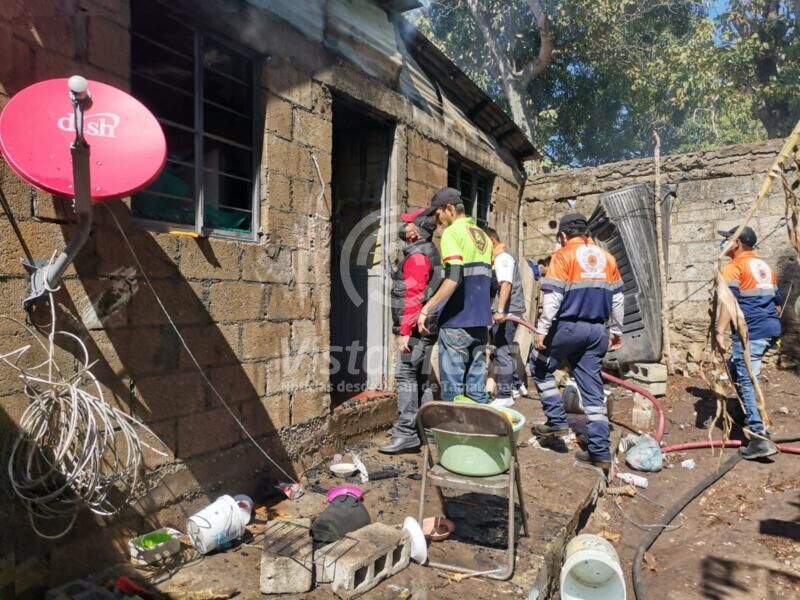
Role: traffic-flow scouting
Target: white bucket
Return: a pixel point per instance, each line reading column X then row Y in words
column 591, row 570
column 219, row 523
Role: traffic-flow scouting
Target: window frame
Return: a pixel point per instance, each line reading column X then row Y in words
column 478, row 173
column 198, row 132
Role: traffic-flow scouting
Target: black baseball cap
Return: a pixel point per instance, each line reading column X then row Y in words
column 573, row 223
column 443, row 197
column 748, row 236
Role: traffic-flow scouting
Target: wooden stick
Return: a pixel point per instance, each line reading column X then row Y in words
column 662, row 267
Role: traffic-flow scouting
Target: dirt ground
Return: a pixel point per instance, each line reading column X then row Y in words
column 558, row 497
column 738, row 540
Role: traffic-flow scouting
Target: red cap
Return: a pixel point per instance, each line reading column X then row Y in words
column 409, row 217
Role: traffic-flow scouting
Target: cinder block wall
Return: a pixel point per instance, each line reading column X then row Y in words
column 256, row 315
column 713, row 190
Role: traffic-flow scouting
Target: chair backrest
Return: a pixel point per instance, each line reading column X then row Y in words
column 471, row 419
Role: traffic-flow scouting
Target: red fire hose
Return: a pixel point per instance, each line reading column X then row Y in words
column 617, row 381
column 718, row 444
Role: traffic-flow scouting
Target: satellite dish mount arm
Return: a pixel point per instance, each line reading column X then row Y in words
column 44, row 275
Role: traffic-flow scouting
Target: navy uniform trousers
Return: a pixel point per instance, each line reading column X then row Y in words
column 583, row 345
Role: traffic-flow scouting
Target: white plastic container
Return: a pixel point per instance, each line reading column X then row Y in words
column 146, row 556
column 591, row 570
column 634, row 480
column 219, row 523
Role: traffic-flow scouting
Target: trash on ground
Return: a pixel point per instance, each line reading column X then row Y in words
column 343, row 469
column 345, row 513
column 783, row 410
column 154, row 546
column 650, row 561
column 636, row 480
column 624, row 490
column 611, row 536
column 404, row 592
column 362, row 469
column 387, row 473
column 645, row 455
column 688, row 463
column 292, row 491
column 591, row 570
column 629, row 441
column 130, row 588
column 437, row 529
column 219, row 523
column 419, row 547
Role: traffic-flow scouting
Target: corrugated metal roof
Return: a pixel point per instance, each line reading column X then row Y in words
column 400, row 6
column 463, row 92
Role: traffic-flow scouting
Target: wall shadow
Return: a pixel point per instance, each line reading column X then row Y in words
column 706, row 409
column 724, row 579
column 145, row 371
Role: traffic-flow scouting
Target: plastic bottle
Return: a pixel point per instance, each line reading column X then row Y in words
column 634, row 480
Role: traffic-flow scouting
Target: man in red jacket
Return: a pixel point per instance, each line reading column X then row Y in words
column 413, row 283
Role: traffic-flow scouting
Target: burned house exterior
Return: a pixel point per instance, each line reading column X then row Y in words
column 297, row 132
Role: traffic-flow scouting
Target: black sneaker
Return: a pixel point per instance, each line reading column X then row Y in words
column 758, row 447
column 396, row 445
column 584, row 457
column 545, row 430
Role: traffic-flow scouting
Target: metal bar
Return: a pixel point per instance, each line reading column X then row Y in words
column 169, row 86
column 225, row 140
column 198, row 140
column 227, row 109
column 162, row 45
column 81, row 179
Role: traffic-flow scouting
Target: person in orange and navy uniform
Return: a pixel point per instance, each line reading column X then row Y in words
column 582, row 291
column 755, row 287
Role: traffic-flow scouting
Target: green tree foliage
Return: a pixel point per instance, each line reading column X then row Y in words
column 701, row 73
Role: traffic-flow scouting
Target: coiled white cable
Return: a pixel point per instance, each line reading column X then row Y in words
column 74, row 450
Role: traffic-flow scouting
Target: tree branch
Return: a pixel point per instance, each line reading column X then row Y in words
column 502, row 60
column 546, row 46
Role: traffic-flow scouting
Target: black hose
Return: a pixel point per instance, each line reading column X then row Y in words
column 672, row 512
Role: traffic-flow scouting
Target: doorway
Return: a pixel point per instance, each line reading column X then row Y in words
column 360, row 326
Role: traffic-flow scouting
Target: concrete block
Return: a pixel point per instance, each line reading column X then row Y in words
column 364, row 558
column 642, row 414
column 286, row 557
column 650, row 376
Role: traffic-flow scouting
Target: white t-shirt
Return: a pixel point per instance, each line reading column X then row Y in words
column 504, row 267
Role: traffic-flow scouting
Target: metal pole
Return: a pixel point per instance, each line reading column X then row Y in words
column 47, row 276
column 666, row 347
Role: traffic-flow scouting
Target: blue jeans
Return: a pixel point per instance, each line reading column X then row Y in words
column 462, row 362
column 742, row 381
column 583, row 345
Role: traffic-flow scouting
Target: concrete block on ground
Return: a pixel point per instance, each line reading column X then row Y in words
column 650, row 376
column 357, row 563
column 286, row 566
column 642, row 414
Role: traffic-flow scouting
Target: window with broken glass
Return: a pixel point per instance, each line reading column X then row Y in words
column 202, row 90
column 475, row 185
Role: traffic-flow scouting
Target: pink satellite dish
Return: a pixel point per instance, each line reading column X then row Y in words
column 37, row 128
